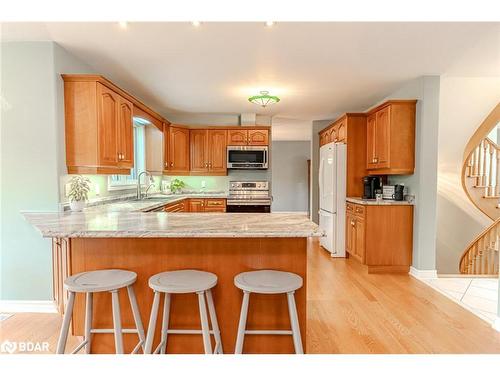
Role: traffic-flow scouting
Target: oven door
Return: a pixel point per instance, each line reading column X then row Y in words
column 247, row 157
column 248, row 208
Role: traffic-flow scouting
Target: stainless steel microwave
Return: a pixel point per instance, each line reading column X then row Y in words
column 247, row 157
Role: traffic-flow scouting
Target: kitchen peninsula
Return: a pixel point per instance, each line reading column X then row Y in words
column 152, row 242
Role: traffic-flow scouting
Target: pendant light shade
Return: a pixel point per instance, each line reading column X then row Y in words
column 264, row 99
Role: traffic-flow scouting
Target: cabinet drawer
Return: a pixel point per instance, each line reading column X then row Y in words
column 216, row 203
column 349, row 207
column 175, row 207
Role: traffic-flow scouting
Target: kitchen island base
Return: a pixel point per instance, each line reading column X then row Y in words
column 225, row 257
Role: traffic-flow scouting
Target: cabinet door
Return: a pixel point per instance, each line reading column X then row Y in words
column 166, row 147
column 382, row 137
column 196, row 205
column 217, row 151
column 178, row 149
column 107, row 114
column 199, row 150
column 341, row 131
column 258, row 137
column 125, row 134
column 348, row 230
column 333, row 134
column 237, row 137
column 371, row 161
column 360, row 240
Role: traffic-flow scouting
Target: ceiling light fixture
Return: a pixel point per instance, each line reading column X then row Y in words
column 269, row 23
column 123, row 24
column 264, row 99
column 196, row 23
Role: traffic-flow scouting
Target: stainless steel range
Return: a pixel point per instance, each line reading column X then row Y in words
column 248, row 196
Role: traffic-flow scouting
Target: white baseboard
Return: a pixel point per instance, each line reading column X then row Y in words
column 423, row 274
column 18, row 306
column 496, row 324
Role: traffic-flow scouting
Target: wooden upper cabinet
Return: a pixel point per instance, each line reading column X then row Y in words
column 258, row 137
column 199, row 150
column 99, row 125
column 217, row 151
column 248, row 137
column 237, row 137
column 342, row 131
column 382, row 137
column 208, row 151
column 125, row 134
column 178, row 150
column 391, row 138
column 371, row 152
column 107, row 112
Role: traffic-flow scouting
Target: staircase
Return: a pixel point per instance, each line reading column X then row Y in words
column 481, row 182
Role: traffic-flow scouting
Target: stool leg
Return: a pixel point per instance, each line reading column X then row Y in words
column 204, row 323
column 117, row 322
column 243, row 323
column 164, row 324
column 213, row 320
column 294, row 320
column 137, row 315
column 152, row 324
column 88, row 321
column 63, row 336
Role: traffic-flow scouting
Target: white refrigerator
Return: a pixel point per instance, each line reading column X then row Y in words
column 332, row 195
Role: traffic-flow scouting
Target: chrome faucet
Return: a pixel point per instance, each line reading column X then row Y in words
column 139, row 192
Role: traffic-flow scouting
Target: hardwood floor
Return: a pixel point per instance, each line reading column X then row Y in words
column 349, row 311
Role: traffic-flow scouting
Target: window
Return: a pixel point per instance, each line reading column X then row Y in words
column 122, row 182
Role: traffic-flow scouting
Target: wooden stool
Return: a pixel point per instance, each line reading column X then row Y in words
column 101, row 281
column 179, row 282
column 268, row 282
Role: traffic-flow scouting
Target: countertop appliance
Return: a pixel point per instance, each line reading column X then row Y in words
column 247, row 157
column 332, row 196
column 370, row 185
column 394, row 192
column 248, row 196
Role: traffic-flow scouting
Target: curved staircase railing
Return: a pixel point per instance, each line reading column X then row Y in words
column 481, row 183
column 481, row 256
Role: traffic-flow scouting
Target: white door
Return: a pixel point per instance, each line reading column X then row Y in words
column 327, row 181
column 327, row 224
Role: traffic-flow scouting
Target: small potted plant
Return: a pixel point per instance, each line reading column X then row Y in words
column 78, row 192
column 176, row 185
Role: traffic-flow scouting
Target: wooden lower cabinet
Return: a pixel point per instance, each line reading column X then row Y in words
column 179, row 206
column 61, row 262
column 197, row 205
column 380, row 236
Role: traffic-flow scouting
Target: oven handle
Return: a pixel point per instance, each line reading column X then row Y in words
column 248, row 203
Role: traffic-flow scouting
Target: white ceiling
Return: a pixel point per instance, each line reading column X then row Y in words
column 318, row 69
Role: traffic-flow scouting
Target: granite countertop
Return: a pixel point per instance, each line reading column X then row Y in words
column 155, row 201
column 373, row 202
column 163, row 224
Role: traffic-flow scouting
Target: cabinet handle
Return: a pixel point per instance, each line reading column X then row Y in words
column 166, row 164
column 172, row 164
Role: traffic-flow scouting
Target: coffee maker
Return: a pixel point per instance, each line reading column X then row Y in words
column 370, row 185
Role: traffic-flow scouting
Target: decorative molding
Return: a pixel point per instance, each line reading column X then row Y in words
column 18, row 306
column 496, row 324
column 423, row 274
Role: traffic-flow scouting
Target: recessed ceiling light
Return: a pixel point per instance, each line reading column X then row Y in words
column 196, row 23
column 269, row 23
column 123, row 24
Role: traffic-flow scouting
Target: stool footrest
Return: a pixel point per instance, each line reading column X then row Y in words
column 111, row 330
column 187, row 331
column 268, row 332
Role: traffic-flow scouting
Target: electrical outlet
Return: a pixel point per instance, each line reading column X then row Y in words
column 203, row 184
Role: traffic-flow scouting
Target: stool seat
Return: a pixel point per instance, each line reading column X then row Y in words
column 268, row 281
column 182, row 281
column 100, row 281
